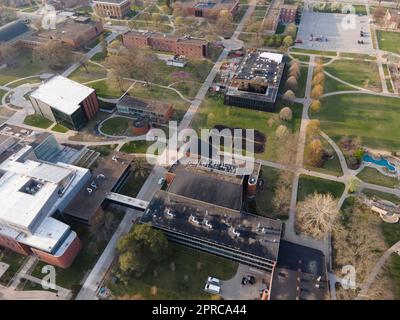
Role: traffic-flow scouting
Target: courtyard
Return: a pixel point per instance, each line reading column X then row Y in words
column 342, row 32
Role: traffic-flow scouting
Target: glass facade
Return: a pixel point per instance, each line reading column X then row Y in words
column 75, row 121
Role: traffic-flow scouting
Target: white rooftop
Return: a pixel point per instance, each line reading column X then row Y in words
column 277, row 57
column 62, row 94
column 19, row 208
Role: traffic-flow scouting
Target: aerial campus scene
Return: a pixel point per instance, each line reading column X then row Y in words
column 199, row 150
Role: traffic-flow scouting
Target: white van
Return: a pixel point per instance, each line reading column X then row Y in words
column 212, row 288
column 213, row 281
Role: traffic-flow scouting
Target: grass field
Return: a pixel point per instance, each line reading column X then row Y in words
column 14, row 260
column 104, row 150
column 186, row 282
column 373, row 176
column 59, row 128
column 318, row 52
column 264, row 199
column 213, row 112
column 308, row 185
column 92, row 248
column 383, row 195
column 90, row 73
column 300, row 57
column 108, row 88
column 375, row 119
column 364, row 74
column 36, row 120
column 24, row 67
column 331, row 166
column 332, row 85
column 116, row 126
column 134, row 183
column 388, row 41
column 135, row 146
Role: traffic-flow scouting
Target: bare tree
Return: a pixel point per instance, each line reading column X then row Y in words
column 316, row 214
column 54, row 54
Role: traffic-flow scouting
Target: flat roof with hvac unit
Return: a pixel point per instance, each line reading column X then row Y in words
column 236, row 235
column 104, row 179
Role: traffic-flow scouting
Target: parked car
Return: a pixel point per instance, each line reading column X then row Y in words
column 212, row 288
column 213, row 281
column 251, row 279
column 161, row 181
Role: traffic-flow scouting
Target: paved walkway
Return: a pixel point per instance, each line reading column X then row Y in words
column 375, row 271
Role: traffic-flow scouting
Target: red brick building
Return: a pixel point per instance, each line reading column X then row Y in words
column 208, row 9
column 288, row 13
column 116, row 9
column 189, row 47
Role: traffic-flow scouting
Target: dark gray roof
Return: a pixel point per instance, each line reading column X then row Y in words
column 209, row 187
column 12, row 30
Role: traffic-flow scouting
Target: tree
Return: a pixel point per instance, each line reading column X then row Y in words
column 224, row 22
column 379, row 13
column 317, row 91
column 291, row 83
column 140, row 167
column 354, row 185
column 177, row 10
column 316, row 214
column 156, row 17
column 359, row 153
column 8, row 54
column 281, row 132
column 54, row 54
column 103, row 45
column 139, row 249
column 119, row 68
column 319, row 67
column 319, row 78
column 315, row 105
column 103, row 224
column 289, row 97
column 165, row 9
column 288, row 41
column 314, row 153
column 291, row 30
column 286, row 114
column 145, row 63
column 313, row 127
column 294, row 70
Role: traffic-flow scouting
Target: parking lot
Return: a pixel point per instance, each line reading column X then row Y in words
column 233, row 289
column 341, row 31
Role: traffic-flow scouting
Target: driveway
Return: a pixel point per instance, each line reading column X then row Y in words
column 234, row 290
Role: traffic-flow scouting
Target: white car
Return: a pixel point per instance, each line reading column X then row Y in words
column 213, row 281
column 212, row 288
column 161, row 181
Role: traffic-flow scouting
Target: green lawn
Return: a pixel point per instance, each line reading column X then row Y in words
column 134, row 183
column 15, row 260
column 373, row 176
column 264, row 198
column 213, row 112
column 364, row 74
column 116, row 126
column 24, row 67
column 308, row 185
column 302, row 82
column 331, row 166
column 318, row 52
column 332, row 85
column 90, row 73
column 2, row 93
column 300, row 57
column 360, row 56
column 375, row 119
column 36, row 120
column 388, row 41
column 360, row 9
column 109, row 88
column 136, row 146
column 92, row 248
column 192, row 268
column 59, row 128
column 104, row 150
column 394, row 272
column 382, row 195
